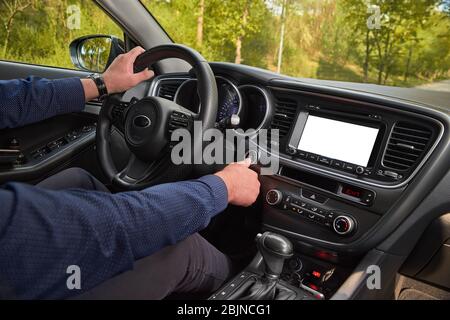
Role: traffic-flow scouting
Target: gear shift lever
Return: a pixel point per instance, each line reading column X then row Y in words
column 275, row 249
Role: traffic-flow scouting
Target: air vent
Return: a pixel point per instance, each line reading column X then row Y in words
column 168, row 88
column 407, row 146
column 285, row 113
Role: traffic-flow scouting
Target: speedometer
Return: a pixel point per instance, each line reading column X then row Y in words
column 229, row 98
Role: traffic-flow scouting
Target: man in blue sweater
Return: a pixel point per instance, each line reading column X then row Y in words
column 139, row 245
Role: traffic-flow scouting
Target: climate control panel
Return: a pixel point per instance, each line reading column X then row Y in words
column 340, row 223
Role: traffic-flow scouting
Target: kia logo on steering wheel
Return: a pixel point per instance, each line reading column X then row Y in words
column 142, row 122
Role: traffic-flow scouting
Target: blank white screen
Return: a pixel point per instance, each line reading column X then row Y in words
column 338, row 140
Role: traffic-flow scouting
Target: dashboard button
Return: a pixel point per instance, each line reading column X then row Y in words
column 302, row 154
column 337, row 164
column 330, row 216
column 368, row 198
column 87, row 129
column 324, row 161
column 314, row 196
column 313, row 157
column 37, row 155
column 319, row 219
column 370, row 195
column 349, row 167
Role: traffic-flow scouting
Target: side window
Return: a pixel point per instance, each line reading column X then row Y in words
column 40, row 31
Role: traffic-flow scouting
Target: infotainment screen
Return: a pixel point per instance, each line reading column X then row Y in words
column 338, row 140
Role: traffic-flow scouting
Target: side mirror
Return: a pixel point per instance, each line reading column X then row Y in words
column 96, row 52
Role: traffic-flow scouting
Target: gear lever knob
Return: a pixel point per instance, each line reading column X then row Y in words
column 275, row 249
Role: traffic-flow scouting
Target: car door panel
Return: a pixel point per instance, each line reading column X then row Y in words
column 38, row 136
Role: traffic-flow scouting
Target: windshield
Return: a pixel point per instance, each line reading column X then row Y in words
column 404, row 43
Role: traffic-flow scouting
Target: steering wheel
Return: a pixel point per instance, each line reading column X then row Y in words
column 147, row 124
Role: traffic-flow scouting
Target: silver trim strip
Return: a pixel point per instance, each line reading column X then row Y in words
column 317, row 294
column 149, row 122
column 92, row 109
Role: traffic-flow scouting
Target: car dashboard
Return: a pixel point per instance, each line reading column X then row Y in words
column 335, row 199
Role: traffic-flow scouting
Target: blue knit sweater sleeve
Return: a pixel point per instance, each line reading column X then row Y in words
column 43, row 232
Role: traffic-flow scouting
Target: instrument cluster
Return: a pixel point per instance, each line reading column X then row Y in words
column 250, row 103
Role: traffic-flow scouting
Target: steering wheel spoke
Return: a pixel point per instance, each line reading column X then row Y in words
column 135, row 173
column 118, row 114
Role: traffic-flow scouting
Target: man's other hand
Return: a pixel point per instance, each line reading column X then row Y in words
column 120, row 76
column 242, row 183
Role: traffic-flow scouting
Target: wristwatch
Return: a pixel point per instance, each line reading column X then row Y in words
column 100, row 83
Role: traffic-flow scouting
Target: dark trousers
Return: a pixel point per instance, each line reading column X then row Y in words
column 192, row 266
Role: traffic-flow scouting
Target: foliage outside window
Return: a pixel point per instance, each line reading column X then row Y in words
column 40, row 31
column 391, row 42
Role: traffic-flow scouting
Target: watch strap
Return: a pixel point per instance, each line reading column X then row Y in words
column 100, row 83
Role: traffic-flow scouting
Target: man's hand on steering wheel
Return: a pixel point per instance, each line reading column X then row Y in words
column 120, row 76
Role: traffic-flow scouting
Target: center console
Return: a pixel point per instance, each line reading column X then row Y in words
column 344, row 164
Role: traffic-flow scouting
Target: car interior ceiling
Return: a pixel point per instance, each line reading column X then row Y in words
column 341, row 217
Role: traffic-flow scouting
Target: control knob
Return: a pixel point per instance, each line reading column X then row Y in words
column 274, row 197
column 360, row 170
column 291, row 151
column 344, row 225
